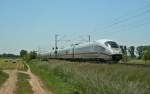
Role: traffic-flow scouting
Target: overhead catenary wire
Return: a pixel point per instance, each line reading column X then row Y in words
column 131, row 26
column 127, row 18
column 126, row 29
column 124, row 21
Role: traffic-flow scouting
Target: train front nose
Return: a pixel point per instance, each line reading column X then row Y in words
column 117, row 57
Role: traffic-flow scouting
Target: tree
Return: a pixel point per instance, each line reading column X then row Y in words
column 123, row 49
column 140, row 50
column 131, row 50
column 28, row 56
column 146, row 53
column 124, row 52
column 33, row 55
column 23, row 53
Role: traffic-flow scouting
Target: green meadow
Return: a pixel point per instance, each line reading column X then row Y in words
column 63, row 77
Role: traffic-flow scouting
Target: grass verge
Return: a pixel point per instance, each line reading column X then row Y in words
column 52, row 82
column 78, row 78
column 25, row 67
column 138, row 61
column 23, row 85
column 3, row 77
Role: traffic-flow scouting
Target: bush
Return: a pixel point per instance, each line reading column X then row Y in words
column 125, row 58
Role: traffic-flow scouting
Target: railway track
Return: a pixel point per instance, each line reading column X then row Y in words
column 136, row 65
column 112, row 62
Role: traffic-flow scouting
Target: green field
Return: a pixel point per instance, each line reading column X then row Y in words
column 63, row 77
column 23, row 86
column 11, row 64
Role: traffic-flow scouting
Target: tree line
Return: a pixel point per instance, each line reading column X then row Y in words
column 27, row 56
column 5, row 55
column 140, row 52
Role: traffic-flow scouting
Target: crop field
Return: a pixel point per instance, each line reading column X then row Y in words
column 11, row 64
column 63, row 77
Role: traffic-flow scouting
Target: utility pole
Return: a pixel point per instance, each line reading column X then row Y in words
column 56, row 47
column 39, row 52
column 89, row 38
column 73, row 50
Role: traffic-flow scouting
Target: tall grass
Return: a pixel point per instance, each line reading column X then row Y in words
column 85, row 78
column 3, row 77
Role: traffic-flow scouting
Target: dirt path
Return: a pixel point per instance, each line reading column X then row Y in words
column 9, row 86
column 36, row 84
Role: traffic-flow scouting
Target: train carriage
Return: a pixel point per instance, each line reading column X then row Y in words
column 98, row 50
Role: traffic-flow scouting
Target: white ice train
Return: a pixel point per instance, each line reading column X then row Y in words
column 98, row 50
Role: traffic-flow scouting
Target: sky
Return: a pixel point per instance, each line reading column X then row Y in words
column 32, row 24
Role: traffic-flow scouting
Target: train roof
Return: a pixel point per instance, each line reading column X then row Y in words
column 98, row 42
column 103, row 40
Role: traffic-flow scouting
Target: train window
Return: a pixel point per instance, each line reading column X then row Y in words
column 66, row 52
column 112, row 44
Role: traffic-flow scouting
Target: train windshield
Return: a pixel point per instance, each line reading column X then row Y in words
column 112, row 44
